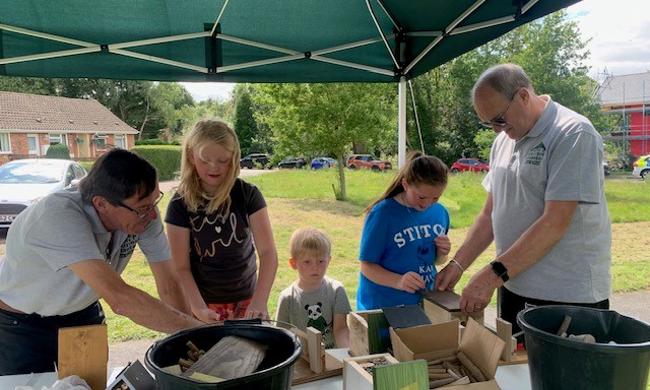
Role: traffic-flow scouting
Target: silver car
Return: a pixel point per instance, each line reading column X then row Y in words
column 24, row 182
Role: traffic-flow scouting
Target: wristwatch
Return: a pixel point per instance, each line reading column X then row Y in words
column 500, row 270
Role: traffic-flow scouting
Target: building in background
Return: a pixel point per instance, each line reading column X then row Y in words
column 629, row 96
column 29, row 124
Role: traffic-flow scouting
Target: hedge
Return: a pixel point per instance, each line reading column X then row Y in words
column 166, row 159
column 58, row 151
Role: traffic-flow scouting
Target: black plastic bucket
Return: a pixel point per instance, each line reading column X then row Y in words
column 274, row 373
column 558, row 363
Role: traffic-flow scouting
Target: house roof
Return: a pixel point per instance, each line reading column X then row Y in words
column 22, row 112
column 625, row 90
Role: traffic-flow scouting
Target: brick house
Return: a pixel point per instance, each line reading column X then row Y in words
column 29, row 124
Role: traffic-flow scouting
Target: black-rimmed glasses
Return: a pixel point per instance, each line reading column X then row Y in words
column 500, row 120
column 142, row 212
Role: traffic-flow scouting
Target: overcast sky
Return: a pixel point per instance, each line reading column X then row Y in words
column 619, row 32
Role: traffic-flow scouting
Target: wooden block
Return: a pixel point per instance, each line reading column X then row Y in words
column 334, row 358
column 358, row 327
column 83, row 351
column 232, row 357
column 304, row 354
column 316, row 350
column 504, row 331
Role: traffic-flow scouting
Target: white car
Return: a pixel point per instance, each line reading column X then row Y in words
column 23, row 182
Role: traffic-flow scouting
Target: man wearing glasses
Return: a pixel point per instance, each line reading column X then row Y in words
column 68, row 250
column 545, row 210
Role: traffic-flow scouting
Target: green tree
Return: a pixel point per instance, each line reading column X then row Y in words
column 483, row 140
column 310, row 119
column 244, row 122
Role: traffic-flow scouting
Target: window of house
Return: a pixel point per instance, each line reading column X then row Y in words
column 120, row 141
column 100, row 140
column 5, row 145
column 32, row 144
column 58, row 139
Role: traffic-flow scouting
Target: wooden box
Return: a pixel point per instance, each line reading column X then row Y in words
column 406, row 375
column 368, row 332
column 444, row 306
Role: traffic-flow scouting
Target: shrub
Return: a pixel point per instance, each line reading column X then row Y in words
column 58, row 151
column 155, row 141
column 166, row 159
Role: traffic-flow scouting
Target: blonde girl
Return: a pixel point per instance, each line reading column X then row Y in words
column 216, row 223
column 404, row 232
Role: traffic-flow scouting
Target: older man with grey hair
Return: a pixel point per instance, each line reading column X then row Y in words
column 545, row 210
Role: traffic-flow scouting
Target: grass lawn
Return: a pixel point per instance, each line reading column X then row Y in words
column 304, row 198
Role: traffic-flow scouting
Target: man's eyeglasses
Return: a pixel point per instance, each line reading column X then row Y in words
column 500, row 120
column 142, row 212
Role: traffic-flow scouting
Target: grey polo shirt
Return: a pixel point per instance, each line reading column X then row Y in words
column 559, row 159
column 57, row 231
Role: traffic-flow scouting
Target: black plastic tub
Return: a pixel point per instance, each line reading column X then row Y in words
column 558, row 363
column 274, row 373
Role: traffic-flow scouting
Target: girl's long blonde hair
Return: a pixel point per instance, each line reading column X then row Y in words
column 419, row 169
column 208, row 131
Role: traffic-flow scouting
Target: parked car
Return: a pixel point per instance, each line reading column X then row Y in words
column 642, row 167
column 255, row 160
column 323, row 162
column 470, row 165
column 368, row 161
column 292, row 162
column 24, row 182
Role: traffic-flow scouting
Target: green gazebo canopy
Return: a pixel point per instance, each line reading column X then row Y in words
column 250, row 40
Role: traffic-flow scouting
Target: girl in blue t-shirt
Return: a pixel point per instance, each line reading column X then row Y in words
column 404, row 233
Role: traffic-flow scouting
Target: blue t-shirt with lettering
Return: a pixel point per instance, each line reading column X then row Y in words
column 400, row 239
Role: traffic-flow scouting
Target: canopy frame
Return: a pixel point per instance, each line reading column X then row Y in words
column 400, row 72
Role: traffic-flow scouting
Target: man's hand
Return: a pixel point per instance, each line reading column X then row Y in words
column 478, row 292
column 410, row 282
column 447, row 278
column 443, row 245
column 257, row 310
column 207, row 315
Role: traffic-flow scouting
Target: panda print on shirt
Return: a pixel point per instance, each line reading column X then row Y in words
column 316, row 319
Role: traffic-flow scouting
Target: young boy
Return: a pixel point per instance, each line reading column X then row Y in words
column 314, row 299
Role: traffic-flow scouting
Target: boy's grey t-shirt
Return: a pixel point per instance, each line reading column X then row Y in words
column 314, row 308
column 54, row 233
column 559, row 159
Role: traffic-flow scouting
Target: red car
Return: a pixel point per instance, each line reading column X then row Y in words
column 368, row 161
column 471, row 165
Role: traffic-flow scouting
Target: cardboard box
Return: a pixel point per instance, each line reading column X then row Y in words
column 436, row 341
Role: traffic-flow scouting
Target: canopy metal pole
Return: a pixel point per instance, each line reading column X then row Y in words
column 401, row 122
column 417, row 119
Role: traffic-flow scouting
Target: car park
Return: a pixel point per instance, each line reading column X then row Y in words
column 641, row 167
column 24, row 182
column 255, row 160
column 368, row 161
column 322, row 162
column 470, row 165
column 292, row 162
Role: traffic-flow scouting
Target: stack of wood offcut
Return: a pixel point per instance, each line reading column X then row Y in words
column 453, row 370
column 232, row 357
